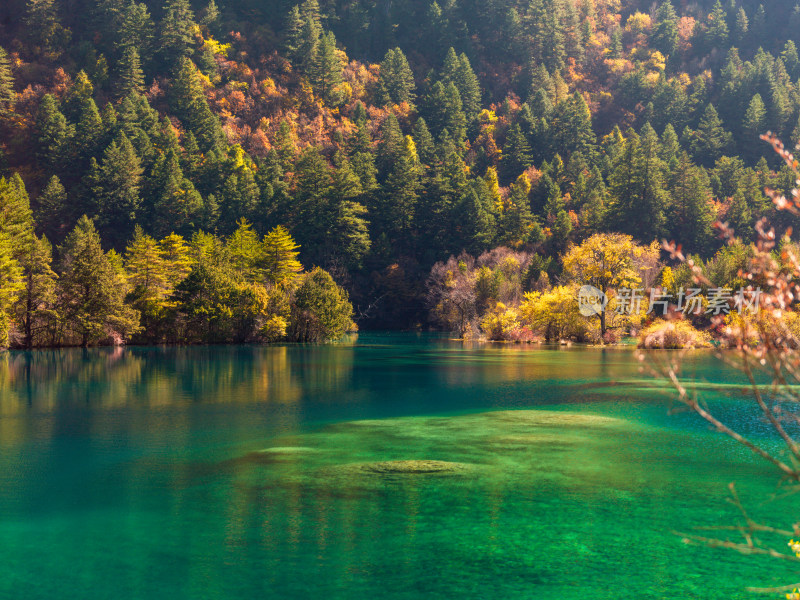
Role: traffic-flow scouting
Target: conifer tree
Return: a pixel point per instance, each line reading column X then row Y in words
column 53, row 210
column 516, row 153
column 326, row 71
column 91, row 290
column 52, row 135
column 190, row 104
column 710, row 141
column 16, row 218
column 11, row 284
column 7, row 94
column 664, row 36
column 717, row 34
column 689, row 215
column 42, row 24
column 136, row 31
column 130, row 77
column 280, row 262
column 176, row 254
column 175, row 35
column 35, row 307
column 396, row 81
column 114, row 186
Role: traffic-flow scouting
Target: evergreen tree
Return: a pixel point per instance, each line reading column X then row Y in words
column 710, row 141
column 689, row 215
column 52, row 135
column 717, row 34
column 91, row 290
column 516, row 153
column 280, row 264
column 293, row 38
column 396, row 81
column 11, row 284
column 664, row 36
column 53, row 211
column 88, row 130
column 175, row 36
column 754, row 124
column 114, row 186
column 514, row 223
column 136, row 31
column 326, row 71
column 130, row 77
column 176, row 204
column 16, row 218
column 638, row 197
column 42, row 25
column 35, row 308
column 7, row 94
column 190, row 105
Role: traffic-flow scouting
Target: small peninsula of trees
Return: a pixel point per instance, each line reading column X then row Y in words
column 208, row 289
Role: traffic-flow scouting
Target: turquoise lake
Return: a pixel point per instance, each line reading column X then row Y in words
column 239, row 472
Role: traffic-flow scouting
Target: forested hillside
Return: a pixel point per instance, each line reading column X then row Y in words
column 383, row 135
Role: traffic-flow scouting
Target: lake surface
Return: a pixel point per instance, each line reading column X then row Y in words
column 247, row 472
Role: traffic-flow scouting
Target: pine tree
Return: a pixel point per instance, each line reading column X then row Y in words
column 35, row 307
column 11, row 284
column 130, row 77
column 280, row 262
column 638, row 197
column 52, row 135
column 476, row 218
column 190, row 105
column 664, row 36
column 42, row 24
column 91, row 289
column 469, row 88
column 426, row 147
column 176, row 204
column 313, row 200
column 754, row 125
column 717, row 34
column 349, row 232
column 88, row 130
column 114, row 186
column 397, row 202
column 396, row 81
column 739, row 216
column 309, row 44
column 176, row 254
column 7, row 94
column 326, row 71
column 516, row 153
column 210, row 15
column 176, row 37
column 742, row 26
column 293, row 38
column 144, row 267
column 710, row 141
column 514, row 224
column 16, row 218
column 136, row 31
column 571, row 127
column 53, row 210
column 689, row 215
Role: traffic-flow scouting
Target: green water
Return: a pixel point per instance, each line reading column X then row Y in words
column 248, row 472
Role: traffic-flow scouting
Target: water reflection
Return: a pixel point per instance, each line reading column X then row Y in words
column 105, row 378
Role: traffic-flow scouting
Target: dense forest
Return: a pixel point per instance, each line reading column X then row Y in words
column 168, row 168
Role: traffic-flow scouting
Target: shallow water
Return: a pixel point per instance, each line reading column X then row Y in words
column 267, row 472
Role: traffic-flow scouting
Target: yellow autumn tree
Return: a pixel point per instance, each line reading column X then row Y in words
column 609, row 260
